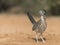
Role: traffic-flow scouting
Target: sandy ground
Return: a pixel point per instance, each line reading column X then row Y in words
column 17, row 30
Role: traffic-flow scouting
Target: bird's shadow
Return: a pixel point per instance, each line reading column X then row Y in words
column 39, row 39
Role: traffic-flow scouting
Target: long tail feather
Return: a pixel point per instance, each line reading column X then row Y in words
column 31, row 18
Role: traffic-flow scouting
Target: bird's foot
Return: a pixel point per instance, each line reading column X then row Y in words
column 37, row 41
column 44, row 41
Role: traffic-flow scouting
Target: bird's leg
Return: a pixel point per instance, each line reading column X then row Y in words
column 36, row 37
column 41, row 36
column 42, row 39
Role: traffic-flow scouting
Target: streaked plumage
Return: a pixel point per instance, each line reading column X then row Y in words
column 39, row 26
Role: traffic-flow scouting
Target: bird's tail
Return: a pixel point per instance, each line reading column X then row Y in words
column 31, row 18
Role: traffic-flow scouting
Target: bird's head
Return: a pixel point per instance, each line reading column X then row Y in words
column 42, row 12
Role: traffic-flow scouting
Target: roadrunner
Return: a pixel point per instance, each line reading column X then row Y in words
column 39, row 26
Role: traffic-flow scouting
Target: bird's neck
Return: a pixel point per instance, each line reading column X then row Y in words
column 42, row 19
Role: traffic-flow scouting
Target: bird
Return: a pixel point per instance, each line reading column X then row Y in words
column 40, row 25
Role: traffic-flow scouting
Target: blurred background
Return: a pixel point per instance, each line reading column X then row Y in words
column 16, row 28
column 19, row 6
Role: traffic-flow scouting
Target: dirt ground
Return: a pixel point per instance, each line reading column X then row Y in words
column 17, row 30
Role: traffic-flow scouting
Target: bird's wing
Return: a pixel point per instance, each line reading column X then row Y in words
column 31, row 18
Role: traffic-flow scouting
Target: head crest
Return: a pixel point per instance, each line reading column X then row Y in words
column 42, row 12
